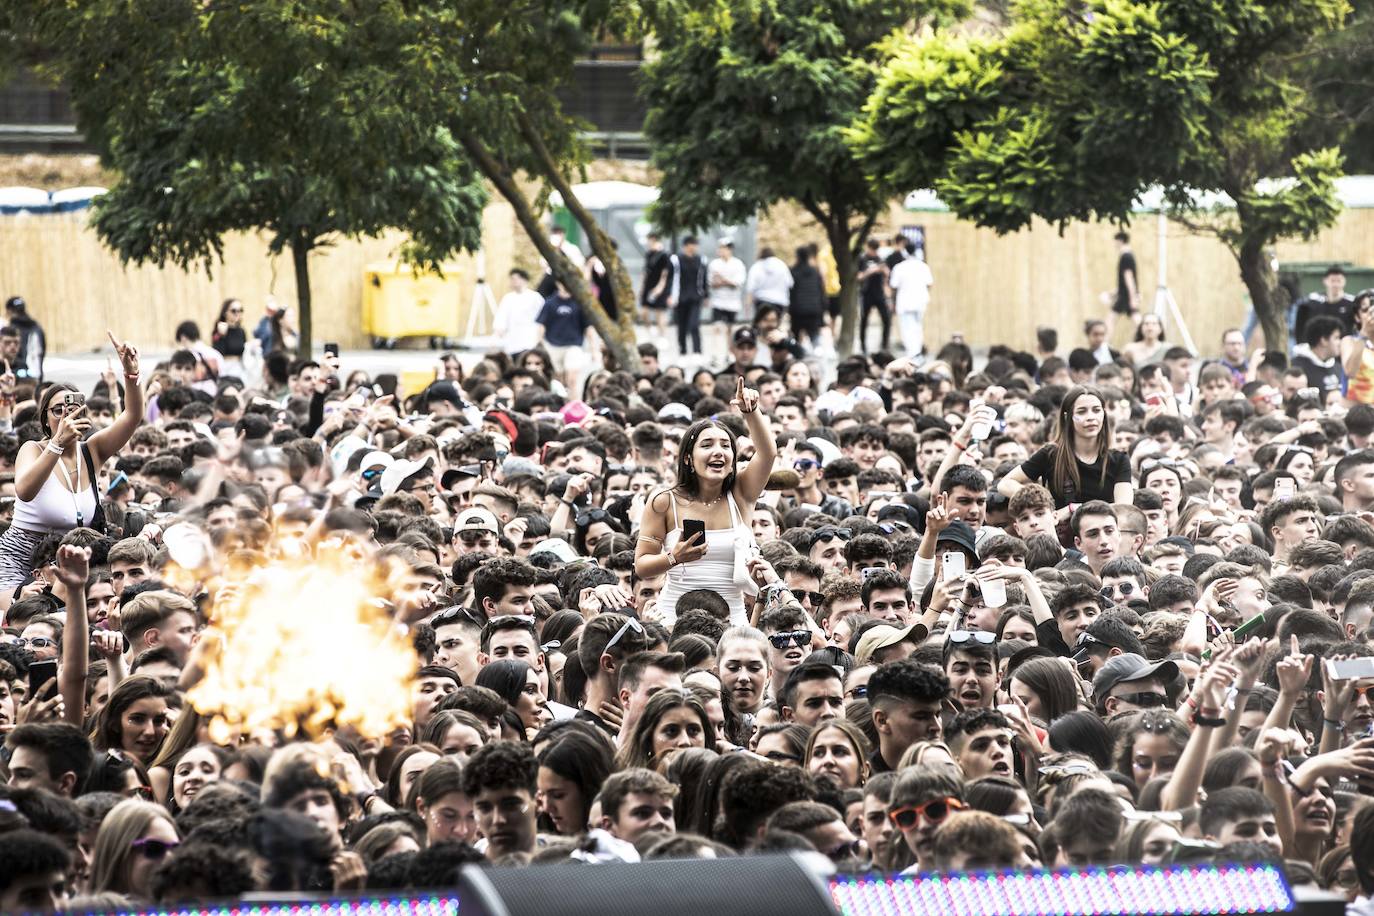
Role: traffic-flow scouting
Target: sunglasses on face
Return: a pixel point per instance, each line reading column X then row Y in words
column 844, row 851
column 1127, row 589
column 1145, row 700
column 36, row 642
column 858, row 693
column 935, row 811
column 803, row 596
column 798, row 638
column 805, row 464
column 958, row 637
column 153, row 850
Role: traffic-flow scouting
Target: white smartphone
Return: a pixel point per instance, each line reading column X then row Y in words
column 953, row 564
column 1285, row 488
column 1350, row 669
column 994, row 592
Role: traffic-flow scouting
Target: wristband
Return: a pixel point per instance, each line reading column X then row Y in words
column 1337, row 724
column 672, row 560
column 959, row 445
column 54, row 448
column 1208, row 721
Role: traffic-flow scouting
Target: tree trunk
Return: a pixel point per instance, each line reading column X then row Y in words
column 1265, row 294
column 621, row 287
column 300, row 254
column 563, row 269
column 840, row 244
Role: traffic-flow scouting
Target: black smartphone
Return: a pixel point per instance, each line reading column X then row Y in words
column 332, row 349
column 39, row 674
column 692, row 526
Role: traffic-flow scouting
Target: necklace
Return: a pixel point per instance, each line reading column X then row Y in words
column 72, row 487
column 712, row 502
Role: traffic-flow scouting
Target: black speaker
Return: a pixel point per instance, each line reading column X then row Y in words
column 781, row 885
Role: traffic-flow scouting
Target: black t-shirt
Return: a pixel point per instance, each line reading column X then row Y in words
column 1124, row 265
column 1040, row 469
column 873, row 286
column 655, row 263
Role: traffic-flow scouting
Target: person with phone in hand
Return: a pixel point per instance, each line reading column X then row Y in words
column 697, row 532
column 54, row 479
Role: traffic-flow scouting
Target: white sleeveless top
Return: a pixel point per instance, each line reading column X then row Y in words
column 715, row 570
column 56, row 508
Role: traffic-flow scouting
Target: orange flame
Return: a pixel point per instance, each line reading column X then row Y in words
column 307, row 645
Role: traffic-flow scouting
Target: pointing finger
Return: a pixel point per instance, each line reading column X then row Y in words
column 113, row 341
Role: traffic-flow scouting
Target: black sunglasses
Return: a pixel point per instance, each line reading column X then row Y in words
column 830, row 532
column 1145, row 699
column 591, row 516
column 802, row 595
column 796, row 638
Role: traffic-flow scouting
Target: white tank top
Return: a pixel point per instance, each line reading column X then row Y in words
column 57, row 508
column 715, row 570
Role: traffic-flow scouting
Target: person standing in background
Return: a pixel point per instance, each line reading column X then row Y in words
column 33, row 343
column 769, row 283
column 653, row 294
column 1127, row 298
column 910, row 281
column 725, row 277
column 516, row 314
column 689, row 291
column 873, row 294
column 807, row 307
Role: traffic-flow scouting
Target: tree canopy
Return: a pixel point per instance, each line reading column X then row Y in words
column 1079, row 108
column 748, row 103
column 279, row 117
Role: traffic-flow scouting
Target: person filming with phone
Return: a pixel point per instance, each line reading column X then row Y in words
column 697, row 531
column 54, row 479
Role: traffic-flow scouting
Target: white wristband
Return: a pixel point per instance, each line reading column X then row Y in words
column 55, row 448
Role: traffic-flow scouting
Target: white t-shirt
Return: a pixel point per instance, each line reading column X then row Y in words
column 911, row 280
column 770, row 281
column 726, row 298
column 515, row 320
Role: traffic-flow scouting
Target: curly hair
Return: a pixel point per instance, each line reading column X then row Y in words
column 501, row 765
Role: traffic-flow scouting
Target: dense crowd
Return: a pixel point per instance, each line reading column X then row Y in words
column 906, row 612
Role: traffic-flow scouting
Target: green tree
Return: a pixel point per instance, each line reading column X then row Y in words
column 748, row 104
column 1078, row 108
column 495, row 71
column 283, row 117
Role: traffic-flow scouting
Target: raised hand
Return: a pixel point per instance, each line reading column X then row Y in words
column 1294, row 671
column 746, row 400
column 74, row 427
column 127, row 353
column 937, row 517
column 73, row 566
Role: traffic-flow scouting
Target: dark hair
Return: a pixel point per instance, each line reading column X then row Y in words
column 1064, row 478
column 63, row 746
column 506, row 676
column 1053, row 683
column 28, row 853
column 584, row 758
column 108, row 732
column 806, row 671
column 907, row 680
column 45, row 401
column 501, row 765
column 1231, row 804
column 1082, row 732
column 686, row 474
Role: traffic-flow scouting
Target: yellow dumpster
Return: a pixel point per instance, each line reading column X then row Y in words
column 398, row 302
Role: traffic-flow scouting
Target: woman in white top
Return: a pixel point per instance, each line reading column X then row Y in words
column 54, row 479
column 708, row 490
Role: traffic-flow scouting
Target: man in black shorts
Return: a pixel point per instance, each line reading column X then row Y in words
column 653, row 292
column 1127, row 299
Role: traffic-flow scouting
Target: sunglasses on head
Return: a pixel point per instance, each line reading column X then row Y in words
column 829, row 533
column 590, row 516
column 455, row 614
column 935, row 811
column 630, row 623
column 982, row 637
column 798, row 638
column 508, row 622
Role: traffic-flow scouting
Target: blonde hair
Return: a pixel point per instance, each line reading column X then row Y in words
column 126, row 822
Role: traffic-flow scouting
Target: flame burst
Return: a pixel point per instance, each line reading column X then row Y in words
column 306, row 646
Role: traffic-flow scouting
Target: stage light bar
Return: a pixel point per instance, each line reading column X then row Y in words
column 396, row 905
column 1142, row 891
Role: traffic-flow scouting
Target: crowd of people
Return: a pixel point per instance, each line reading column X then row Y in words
column 912, row 615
